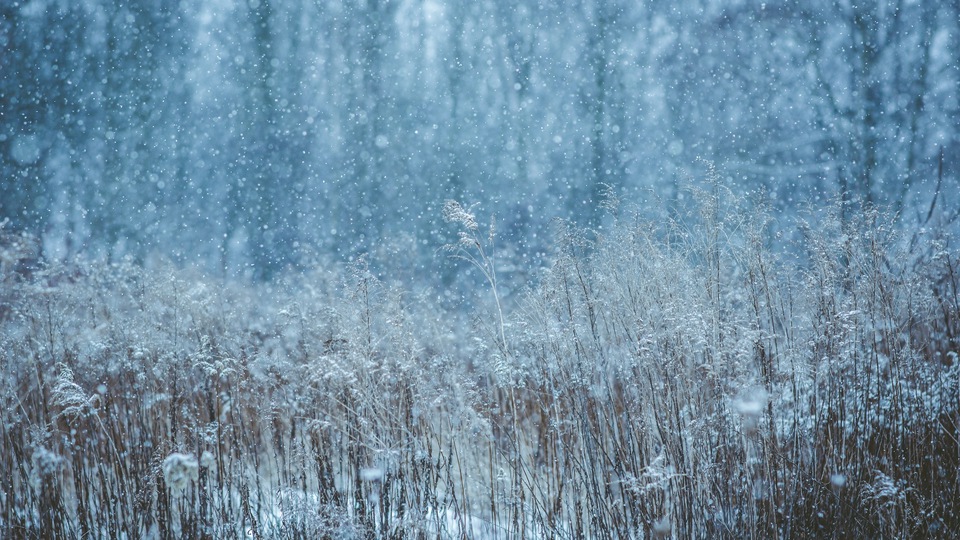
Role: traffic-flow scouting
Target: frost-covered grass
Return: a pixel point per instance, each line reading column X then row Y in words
column 672, row 379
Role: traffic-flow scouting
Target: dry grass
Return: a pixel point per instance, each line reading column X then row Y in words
column 676, row 380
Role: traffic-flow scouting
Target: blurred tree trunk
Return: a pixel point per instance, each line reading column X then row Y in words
column 602, row 97
column 270, row 149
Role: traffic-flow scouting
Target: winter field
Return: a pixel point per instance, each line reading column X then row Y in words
column 702, row 281
column 678, row 379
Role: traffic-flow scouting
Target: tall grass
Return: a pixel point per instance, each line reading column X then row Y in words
column 679, row 378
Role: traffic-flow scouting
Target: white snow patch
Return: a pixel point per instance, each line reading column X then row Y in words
column 180, row 469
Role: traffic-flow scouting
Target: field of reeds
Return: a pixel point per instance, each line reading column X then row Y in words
column 699, row 376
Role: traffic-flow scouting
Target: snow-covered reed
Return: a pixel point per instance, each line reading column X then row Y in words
column 667, row 378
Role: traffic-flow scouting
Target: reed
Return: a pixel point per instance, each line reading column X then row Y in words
column 676, row 378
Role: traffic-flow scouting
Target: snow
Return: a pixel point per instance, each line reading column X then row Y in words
column 180, row 470
column 478, row 269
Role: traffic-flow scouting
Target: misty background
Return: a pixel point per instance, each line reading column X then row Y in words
column 250, row 137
